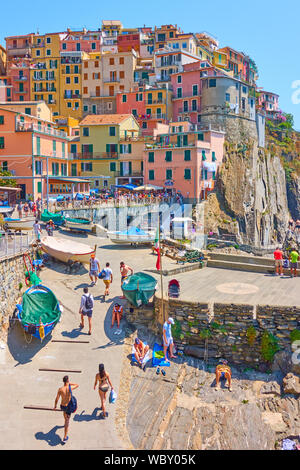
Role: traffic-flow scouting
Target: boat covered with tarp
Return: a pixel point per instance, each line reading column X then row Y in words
column 139, row 288
column 39, row 311
column 133, row 235
column 80, row 224
column 67, row 250
column 57, row 218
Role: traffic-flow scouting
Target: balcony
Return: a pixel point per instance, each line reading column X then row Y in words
column 72, row 97
column 20, row 79
column 44, row 90
column 19, row 50
column 37, row 45
column 21, row 91
column 193, row 110
column 93, row 156
column 31, row 127
column 148, row 117
column 111, row 80
column 134, row 174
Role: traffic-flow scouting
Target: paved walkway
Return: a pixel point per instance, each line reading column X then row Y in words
column 21, row 382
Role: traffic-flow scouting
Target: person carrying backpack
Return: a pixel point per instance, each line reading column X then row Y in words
column 86, row 308
column 68, row 402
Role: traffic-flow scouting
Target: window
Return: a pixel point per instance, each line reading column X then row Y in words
column 203, row 155
column 85, row 131
column 179, row 79
column 187, row 174
column 48, row 40
column 185, row 140
column 38, row 145
column 169, row 174
column 151, row 157
column 185, row 106
column 168, row 157
column 213, row 156
column 227, row 97
column 85, row 108
column 38, row 53
column 212, row 83
column 48, row 52
column 151, row 175
column 112, row 166
column 112, row 131
column 121, row 61
column 93, row 46
column 76, row 69
column 245, row 89
column 194, row 105
column 134, row 112
column 122, row 74
column 195, row 90
column 76, row 79
column 111, row 61
column 124, row 98
column 39, row 187
column 85, row 90
column 4, row 166
column 64, row 46
column 187, row 155
column 68, row 80
column 144, row 125
column 2, row 119
column 179, row 92
column 94, row 109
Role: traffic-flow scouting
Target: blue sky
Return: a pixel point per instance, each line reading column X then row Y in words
column 266, row 30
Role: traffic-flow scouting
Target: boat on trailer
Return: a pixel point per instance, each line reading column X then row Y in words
column 133, row 236
column 39, row 311
column 67, row 250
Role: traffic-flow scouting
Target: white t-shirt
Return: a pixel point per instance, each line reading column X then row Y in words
column 94, row 264
column 108, row 273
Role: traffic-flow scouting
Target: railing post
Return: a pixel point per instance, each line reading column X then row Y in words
column 6, row 244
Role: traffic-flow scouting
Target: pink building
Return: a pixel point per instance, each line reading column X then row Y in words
column 185, row 159
column 86, row 41
column 32, row 148
column 187, row 90
column 268, row 102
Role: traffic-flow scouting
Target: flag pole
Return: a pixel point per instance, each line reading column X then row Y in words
column 161, row 277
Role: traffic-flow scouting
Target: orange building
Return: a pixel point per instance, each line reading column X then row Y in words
column 32, row 148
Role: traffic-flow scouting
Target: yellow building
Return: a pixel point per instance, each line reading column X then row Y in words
column 45, row 70
column 105, row 148
column 2, row 60
column 38, row 109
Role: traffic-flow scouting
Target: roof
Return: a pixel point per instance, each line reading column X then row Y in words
column 104, row 119
column 111, row 23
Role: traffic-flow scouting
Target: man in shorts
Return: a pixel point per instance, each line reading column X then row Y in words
column 278, row 257
column 124, row 269
column 94, row 269
column 108, row 278
column 168, row 339
column 65, row 395
column 294, row 256
column 223, row 371
column 140, row 351
column 86, row 308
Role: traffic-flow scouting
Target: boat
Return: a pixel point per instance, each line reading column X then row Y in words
column 139, row 288
column 82, row 225
column 18, row 224
column 39, row 312
column 57, row 218
column 132, row 235
column 67, row 250
column 6, row 211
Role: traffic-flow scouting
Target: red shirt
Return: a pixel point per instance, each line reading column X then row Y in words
column 278, row 254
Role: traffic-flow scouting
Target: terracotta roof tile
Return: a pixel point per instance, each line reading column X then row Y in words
column 104, row 119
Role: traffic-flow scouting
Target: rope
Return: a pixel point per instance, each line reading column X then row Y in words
column 28, row 342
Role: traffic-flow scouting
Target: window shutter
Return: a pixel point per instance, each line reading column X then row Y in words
column 129, row 148
column 121, row 168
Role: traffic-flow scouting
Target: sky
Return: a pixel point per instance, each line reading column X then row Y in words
column 266, row 30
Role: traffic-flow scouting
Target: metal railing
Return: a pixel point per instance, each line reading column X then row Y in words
column 12, row 243
column 93, row 155
column 30, row 127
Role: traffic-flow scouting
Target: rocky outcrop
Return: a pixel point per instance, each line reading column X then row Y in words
column 291, row 384
column 293, row 196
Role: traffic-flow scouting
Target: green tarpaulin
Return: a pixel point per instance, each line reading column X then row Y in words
column 39, row 304
column 46, row 216
column 78, row 221
column 139, row 288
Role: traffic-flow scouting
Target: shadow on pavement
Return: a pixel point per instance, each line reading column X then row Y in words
column 50, row 437
column 74, row 234
column 86, row 417
column 24, row 348
column 74, row 333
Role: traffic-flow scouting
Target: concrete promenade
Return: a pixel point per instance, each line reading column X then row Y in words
column 21, row 382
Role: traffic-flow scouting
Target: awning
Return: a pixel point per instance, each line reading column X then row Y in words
column 67, row 180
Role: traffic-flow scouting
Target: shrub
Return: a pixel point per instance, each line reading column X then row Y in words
column 251, row 334
column 269, row 346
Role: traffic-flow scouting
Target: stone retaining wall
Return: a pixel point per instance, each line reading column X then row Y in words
column 11, row 275
column 224, row 329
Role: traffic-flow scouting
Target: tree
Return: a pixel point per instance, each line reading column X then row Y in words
column 289, row 119
column 7, row 182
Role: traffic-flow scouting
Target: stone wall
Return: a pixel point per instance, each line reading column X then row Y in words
column 220, row 329
column 11, row 275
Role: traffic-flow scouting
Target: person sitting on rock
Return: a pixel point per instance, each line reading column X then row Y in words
column 223, row 371
column 140, row 351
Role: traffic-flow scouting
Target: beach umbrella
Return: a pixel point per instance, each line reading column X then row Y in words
column 148, row 187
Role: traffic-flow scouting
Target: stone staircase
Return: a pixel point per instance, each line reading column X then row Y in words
column 254, row 264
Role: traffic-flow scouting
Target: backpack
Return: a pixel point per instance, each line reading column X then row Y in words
column 88, row 302
column 72, row 405
column 102, row 274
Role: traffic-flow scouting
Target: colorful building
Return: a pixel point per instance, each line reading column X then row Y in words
column 186, row 160
column 103, row 141
column 269, row 103
column 32, row 148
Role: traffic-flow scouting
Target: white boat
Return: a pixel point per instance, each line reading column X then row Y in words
column 6, row 211
column 82, row 225
column 133, row 236
column 67, row 250
column 18, row 224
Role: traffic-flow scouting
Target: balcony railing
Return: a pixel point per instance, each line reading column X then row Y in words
column 93, row 155
column 31, row 127
column 192, row 110
column 151, row 116
column 112, row 80
column 21, row 91
column 131, row 174
column 20, row 79
column 72, row 97
column 43, row 90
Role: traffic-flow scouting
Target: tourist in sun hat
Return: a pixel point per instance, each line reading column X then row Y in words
column 167, row 338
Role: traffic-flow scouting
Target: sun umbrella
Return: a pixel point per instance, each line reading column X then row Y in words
column 148, row 187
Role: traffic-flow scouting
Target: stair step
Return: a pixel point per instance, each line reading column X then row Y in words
column 251, row 260
column 258, row 268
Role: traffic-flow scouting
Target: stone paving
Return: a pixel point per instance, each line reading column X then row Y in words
column 22, row 383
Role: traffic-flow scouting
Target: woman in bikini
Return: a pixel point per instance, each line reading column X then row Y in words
column 104, row 382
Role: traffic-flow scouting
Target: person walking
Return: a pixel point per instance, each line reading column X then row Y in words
column 94, row 269
column 102, row 378
column 19, row 209
column 26, row 209
column 278, row 257
column 107, row 278
column 37, row 230
column 65, row 394
column 294, row 257
column 86, row 308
